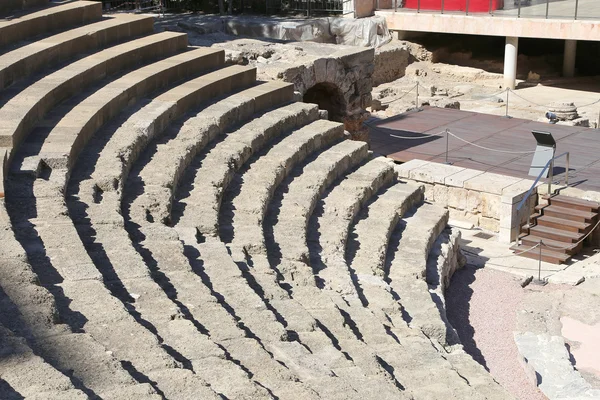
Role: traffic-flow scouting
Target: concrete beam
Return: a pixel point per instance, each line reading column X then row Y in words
column 511, row 51
column 492, row 25
column 569, row 58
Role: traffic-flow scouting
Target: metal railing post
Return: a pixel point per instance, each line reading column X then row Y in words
column 576, row 8
column 447, row 134
column 467, row 8
column 308, row 8
column 547, row 7
column 519, row 10
column 490, row 7
column 540, row 263
column 418, row 6
column 567, row 171
column 506, row 108
column 442, row 10
column 417, row 103
column 551, row 173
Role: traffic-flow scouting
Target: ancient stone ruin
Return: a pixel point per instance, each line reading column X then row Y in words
column 173, row 228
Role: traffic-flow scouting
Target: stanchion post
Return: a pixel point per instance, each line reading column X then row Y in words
column 506, row 108
column 540, row 263
column 417, row 100
column 447, row 134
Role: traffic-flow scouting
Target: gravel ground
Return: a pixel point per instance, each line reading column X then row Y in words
column 481, row 305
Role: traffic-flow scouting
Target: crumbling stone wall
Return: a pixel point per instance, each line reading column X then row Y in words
column 350, row 70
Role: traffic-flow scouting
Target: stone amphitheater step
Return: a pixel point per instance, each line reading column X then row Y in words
column 329, row 227
column 219, row 271
column 367, row 245
column 66, row 140
column 405, row 268
column 30, row 58
column 111, row 323
column 28, row 374
column 43, row 324
column 21, row 113
column 163, row 170
column 49, row 19
column 229, row 152
column 114, row 255
column 289, row 218
column 14, row 6
column 218, row 166
column 262, row 177
column 150, row 122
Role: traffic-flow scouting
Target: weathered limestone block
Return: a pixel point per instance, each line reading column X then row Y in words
column 464, row 216
column 489, row 224
column 457, row 198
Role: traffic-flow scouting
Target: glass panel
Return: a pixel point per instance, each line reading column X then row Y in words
column 588, row 9
column 562, row 9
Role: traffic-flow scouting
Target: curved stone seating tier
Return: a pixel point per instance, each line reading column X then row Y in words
column 43, row 324
column 71, row 133
column 50, row 19
column 406, row 269
column 22, row 368
column 167, row 163
column 330, row 224
column 248, row 205
column 218, row 166
column 14, row 6
column 21, row 113
column 367, row 244
column 288, row 245
column 91, row 294
column 132, row 137
column 26, row 60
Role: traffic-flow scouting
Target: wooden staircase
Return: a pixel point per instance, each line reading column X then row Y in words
column 561, row 225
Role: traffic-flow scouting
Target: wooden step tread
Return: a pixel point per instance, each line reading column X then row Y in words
column 574, row 236
column 575, row 201
column 533, row 239
column 565, row 222
column 564, row 210
column 547, row 254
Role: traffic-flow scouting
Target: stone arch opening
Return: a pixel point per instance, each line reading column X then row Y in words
column 329, row 97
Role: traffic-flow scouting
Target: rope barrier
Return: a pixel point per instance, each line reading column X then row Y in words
column 506, row 256
column 548, row 106
column 572, row 244
column 401, row 97
column 490, row 149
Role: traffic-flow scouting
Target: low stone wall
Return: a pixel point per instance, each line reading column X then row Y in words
column 483, row 199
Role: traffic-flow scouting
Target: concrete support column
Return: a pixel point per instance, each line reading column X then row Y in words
column 569, row 58
column 511, row 50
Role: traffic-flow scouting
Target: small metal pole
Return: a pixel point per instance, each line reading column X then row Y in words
column 519, row 11
column 576, row 7
column 540, row 263
column 547, row 7
column 418, row 6
column 308, row 8
column 447, row 147
column 551, row 177
column 490, row 7
column 417, row 86
column 442, row 6
column 506, row 108
column 567, row 173
column 467, row 8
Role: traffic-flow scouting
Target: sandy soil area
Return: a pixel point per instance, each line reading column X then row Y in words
column 481, row 305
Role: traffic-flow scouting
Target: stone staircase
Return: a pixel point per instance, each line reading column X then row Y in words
column 173, row 228
column 560, row 225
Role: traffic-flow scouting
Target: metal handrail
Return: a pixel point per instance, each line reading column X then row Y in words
column 550, row 164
